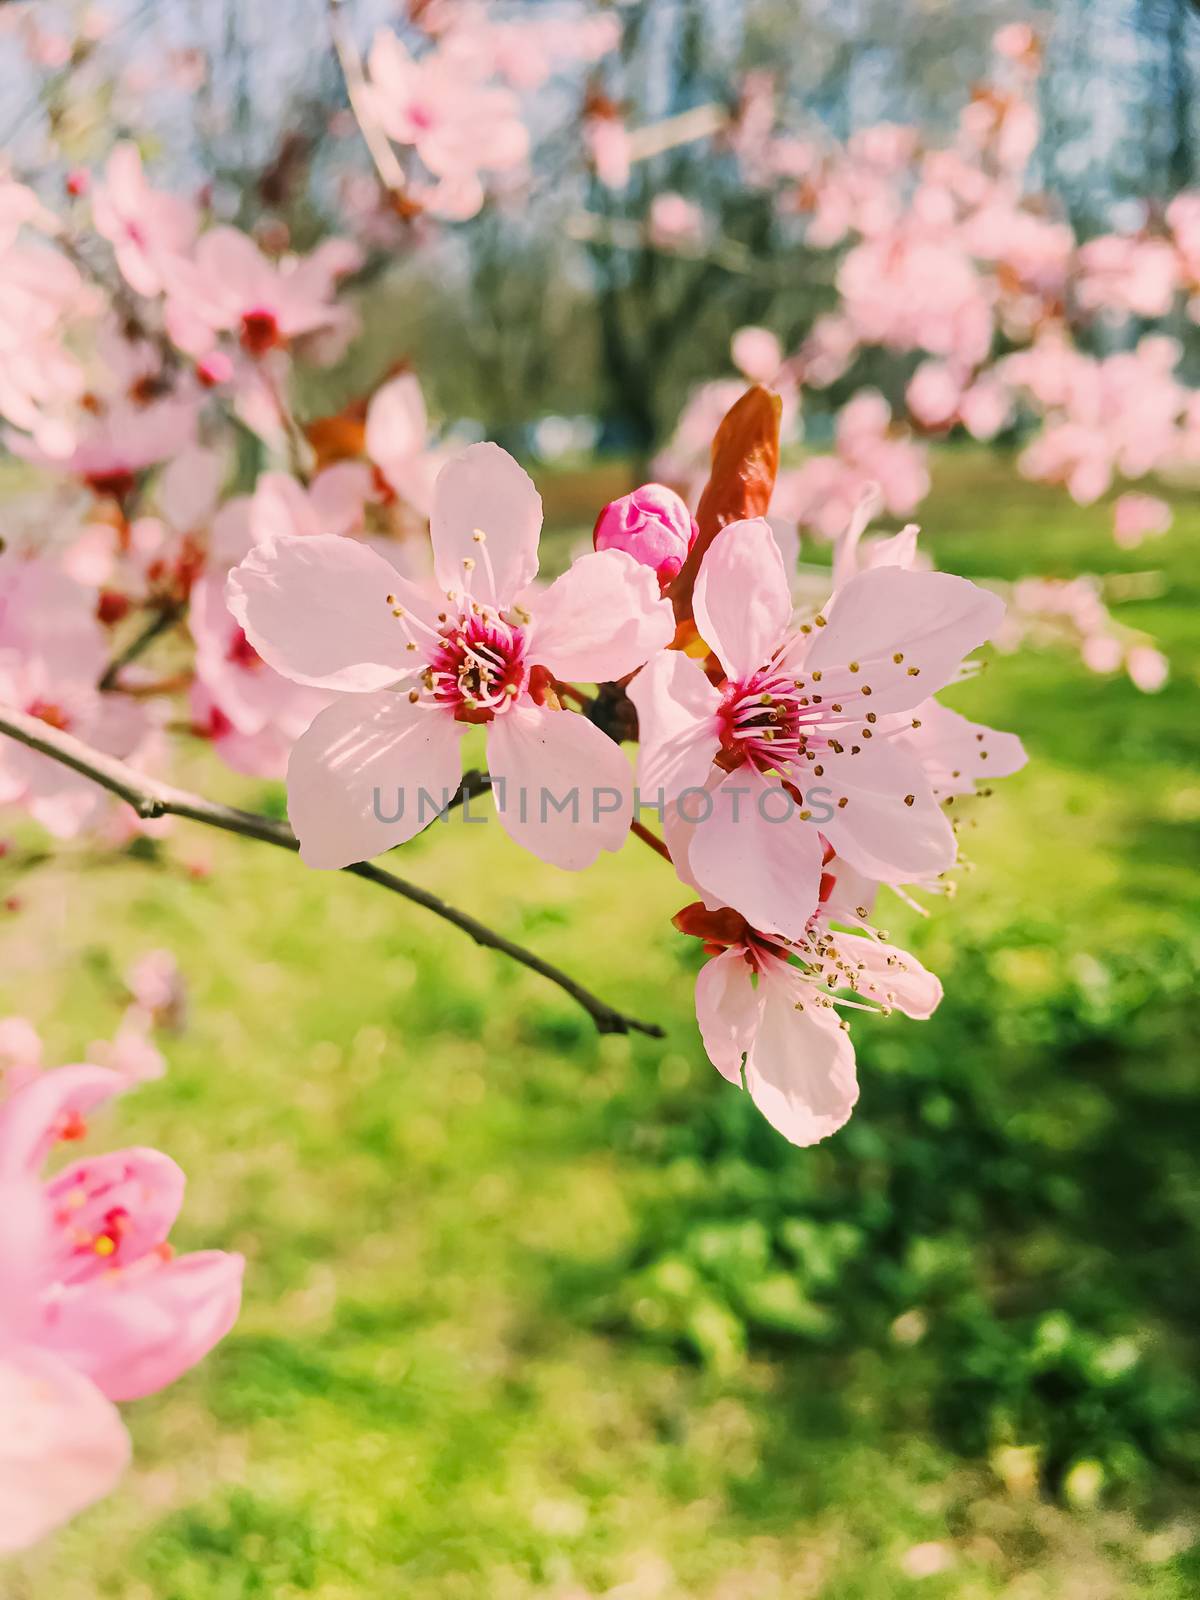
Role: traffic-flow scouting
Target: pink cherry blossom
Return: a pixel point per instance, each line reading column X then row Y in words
column 132, row 1052
column 42, row 301
column 914, row 290
column 1130, row 276
column 933, row 394
column 252, row 714
column 398, row 441
column 675, row 222
column 1148, row 668
column 1139, row 516
column 1121, row 414
column 758, row 353
column 414, row 667
column 823, row 492
column 131, row 418
column 228, row 287
column 157, row 985
column 148, row 229
column 458, row 124
column 20, row 1053
column 94, row 1308
column 653, row 525
column 807, row 712
column 52, row 654
column 955, row 753
column 112, row 1299
column 767, row 1010
column 63, row 1446
column 334, row 502
column 608, row 144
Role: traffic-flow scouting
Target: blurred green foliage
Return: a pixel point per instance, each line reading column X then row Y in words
column 534, row 1313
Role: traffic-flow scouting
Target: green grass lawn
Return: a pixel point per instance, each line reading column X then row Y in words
column 535, row 1313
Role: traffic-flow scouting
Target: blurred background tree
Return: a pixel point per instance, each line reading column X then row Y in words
column 554, row 299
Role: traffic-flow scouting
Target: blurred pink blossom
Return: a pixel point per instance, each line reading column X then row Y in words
column 459, row 124
column 147, row 228
column 674, row 222
column 52, row 654
column 1139, row 516
column 94, row 1307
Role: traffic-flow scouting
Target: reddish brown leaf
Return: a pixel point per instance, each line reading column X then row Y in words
column 745, row 461
column 338, row 438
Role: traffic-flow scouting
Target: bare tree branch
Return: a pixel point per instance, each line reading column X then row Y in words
column 150, row 798
column 379, row 146
column 162, row 620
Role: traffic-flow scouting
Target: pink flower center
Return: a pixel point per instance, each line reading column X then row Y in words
column 118, row 482
column 260, row 331
column 241, row 652
column 51, row 714
column 478, row 668
column 759, row 720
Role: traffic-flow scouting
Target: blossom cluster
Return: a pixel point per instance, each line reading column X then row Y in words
column 342, row 601
column 743, row 699
column 996, row 320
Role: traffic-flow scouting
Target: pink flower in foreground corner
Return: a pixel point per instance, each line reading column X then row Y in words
column 814, row 714
column 417, row 666
column 773, row 1006
column 93, row 1306
column 653, row 525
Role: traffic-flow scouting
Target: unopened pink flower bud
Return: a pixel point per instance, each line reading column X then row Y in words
column 653, row 525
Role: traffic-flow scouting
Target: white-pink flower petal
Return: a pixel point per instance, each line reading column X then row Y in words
column 62, row 1446
column 891, row 827
column 563, row 789
column 484, row 491
column 753, row 852
column 677, row 726
column 955, row 752
column 800, row 1068
column 320, row 611
column 742, row 597
column 902, row 634
column 601, row 620
column 727, row 1011
column 357, row 778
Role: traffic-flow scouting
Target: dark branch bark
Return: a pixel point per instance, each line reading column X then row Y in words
column 150, row 798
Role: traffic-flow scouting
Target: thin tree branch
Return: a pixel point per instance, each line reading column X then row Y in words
column 474, row 782
column 150, row 798
column 648, row 836
column 166, row 617
column 379, row 146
